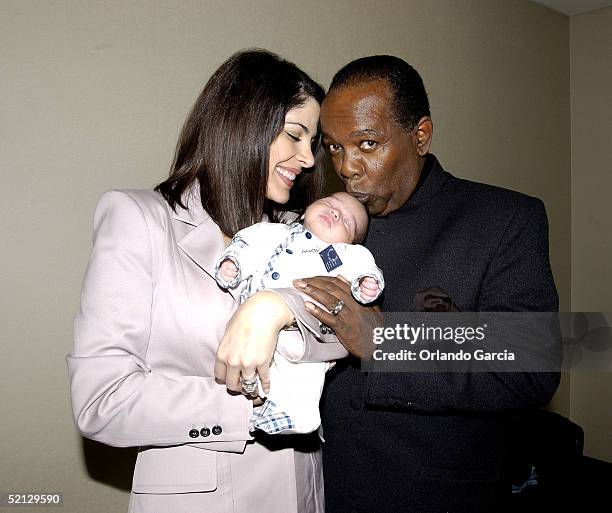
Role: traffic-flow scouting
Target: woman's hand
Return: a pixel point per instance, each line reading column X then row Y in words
column 250, row 339
column 353, row 325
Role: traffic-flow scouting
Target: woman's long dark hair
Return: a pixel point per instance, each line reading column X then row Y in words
column 225, row 142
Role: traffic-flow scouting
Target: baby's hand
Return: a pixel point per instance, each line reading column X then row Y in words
column 369, row 289
column 228, row 270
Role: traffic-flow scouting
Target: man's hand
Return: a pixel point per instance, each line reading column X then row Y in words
column 354, row 323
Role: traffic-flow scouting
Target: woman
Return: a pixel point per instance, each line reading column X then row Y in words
column 152, row 316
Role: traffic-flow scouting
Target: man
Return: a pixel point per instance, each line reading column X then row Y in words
column 422, row 442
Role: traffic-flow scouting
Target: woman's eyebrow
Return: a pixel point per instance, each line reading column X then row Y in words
column 305, row 128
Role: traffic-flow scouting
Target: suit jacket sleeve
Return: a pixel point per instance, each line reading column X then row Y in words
column 518, row 278
column 308, row 343
column 117, row 397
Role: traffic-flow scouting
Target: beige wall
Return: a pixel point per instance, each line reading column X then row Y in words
column 92, row 96
column 591, row 107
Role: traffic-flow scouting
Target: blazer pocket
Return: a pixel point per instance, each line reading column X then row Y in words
column 176, row 469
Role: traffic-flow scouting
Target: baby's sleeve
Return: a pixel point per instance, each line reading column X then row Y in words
column 249, row 250
column 239, row 251
column 361, row 264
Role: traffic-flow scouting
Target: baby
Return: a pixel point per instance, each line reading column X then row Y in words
column 272, row 255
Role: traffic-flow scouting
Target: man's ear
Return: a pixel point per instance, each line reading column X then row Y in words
column 424, row 134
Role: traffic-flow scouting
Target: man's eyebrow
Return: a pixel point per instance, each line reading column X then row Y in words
column 305, row 128
column 366, row 132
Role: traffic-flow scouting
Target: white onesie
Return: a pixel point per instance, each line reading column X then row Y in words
column 272, row 255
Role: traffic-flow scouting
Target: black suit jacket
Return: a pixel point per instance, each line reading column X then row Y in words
column 433, row 442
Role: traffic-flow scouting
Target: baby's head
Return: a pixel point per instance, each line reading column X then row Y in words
column 337, row 218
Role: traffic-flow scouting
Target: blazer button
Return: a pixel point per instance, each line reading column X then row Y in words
column 275, row 276
column 355, row 427
column 194, row 433
column 217, row 430
column 356, row 403
column 205, row 432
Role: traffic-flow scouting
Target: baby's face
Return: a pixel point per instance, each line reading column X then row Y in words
column 337, row 218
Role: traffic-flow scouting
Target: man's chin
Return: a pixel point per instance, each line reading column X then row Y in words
column 377, row 212
column 360, row 196
column 376, row 208
column 375, row 204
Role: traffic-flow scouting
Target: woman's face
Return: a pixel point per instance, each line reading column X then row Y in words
column 291, row 151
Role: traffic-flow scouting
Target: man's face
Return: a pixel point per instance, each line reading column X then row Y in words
column 376, row 159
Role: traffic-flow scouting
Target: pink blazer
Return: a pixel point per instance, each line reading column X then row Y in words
column 141, row 373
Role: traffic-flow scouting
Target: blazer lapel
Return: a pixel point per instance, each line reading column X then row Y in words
column 204, row 242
